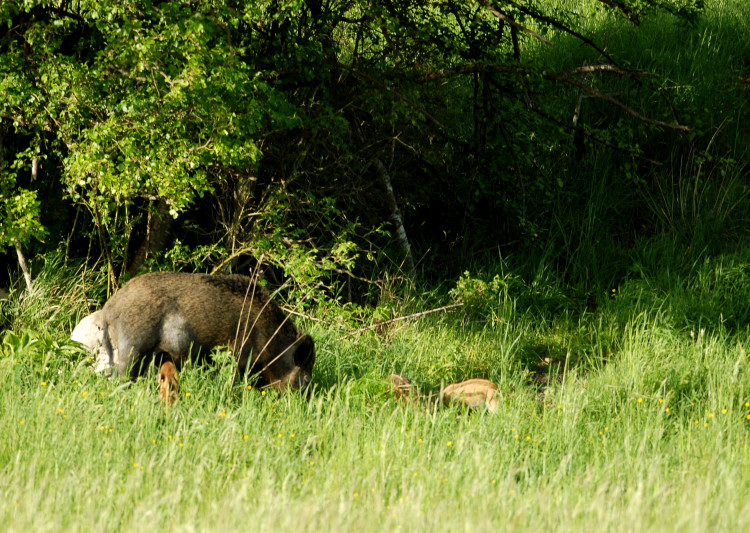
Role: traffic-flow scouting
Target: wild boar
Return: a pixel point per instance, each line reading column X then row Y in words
column 171, row 316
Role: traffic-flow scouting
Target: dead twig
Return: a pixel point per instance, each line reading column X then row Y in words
column 400, row 318
column 565, row 78
column 560, row 26
column 510, row 20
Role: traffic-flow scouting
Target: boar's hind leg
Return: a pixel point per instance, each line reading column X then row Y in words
column 133, row 355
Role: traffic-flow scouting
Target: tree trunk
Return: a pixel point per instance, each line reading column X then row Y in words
column 21, row 258
column 395, row 215
column 24, row 267
column 158, row 229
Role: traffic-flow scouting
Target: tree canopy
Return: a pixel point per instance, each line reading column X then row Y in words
column 317, row 134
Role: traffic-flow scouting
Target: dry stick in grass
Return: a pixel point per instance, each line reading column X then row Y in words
column 290, row 311
column 400, row 318
column 24, row 267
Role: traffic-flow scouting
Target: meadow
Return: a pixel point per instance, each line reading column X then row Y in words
column 624, row 376
column 631, row 414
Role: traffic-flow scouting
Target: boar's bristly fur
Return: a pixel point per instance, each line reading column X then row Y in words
column 177, row 315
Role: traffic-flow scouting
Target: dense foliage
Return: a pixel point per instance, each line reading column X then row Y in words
column 325, row 135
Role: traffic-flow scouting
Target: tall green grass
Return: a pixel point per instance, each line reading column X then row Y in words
column 630, row 416
column 697, row 194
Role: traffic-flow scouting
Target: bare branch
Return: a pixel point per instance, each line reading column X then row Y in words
column 471, row 68
column 632, row 17
column 560, row 26
column 505, row 18
column 563, row 77
column 615, row 69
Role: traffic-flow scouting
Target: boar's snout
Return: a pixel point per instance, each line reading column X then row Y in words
column 297, row 379
column 294, row 371
column 303, row 381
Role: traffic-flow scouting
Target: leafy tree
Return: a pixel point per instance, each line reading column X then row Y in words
column 294, row 130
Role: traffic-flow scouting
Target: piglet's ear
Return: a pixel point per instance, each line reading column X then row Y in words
column 304, row 353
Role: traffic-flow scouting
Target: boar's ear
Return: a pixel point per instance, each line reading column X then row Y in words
column 304, row 354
